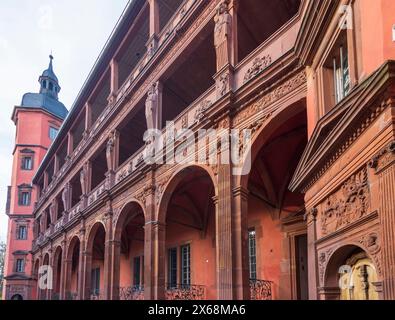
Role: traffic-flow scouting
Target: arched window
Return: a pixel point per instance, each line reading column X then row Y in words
column 45, row 84
column 50, row 86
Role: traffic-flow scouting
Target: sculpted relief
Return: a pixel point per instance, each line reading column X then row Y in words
column 350, row 203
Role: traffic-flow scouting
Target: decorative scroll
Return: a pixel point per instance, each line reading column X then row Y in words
column 201, row 110
column 347, row 205
column 185, row 292
column 261, row 289
column 258, row 65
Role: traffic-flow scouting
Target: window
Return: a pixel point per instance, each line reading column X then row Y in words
column 186, row 265
column 50, row 86
column 95, row 278
column 336, row 73
column 252, row 253
column 341, row 74
column 172, row 268
column 27, row 163
column 20, row 265
column 137, row 271
column 22, row 233
column 53, row 132
column 24, row 198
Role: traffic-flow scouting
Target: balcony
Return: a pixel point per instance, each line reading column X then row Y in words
column 131, row 293
column 261, row 289
column 193, row 117
column 185, row 292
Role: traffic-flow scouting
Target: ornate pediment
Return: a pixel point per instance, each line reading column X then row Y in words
column 340, row 127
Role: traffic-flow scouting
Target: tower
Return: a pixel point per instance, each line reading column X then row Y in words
column 37, row 121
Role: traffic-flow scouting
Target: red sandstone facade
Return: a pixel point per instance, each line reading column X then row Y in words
column 312, row 80
column 35, row 127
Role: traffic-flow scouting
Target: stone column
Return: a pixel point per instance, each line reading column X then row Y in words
column 384, row 167
column 88, row 118
column 240, row 243
column 70, row 143
column 50, row 288
column 114, row 81
column 115, row 248
column 223, row 205
column 108, row 250
column 82, row 264
column 62, row 271
column 313, row 281
column 67, row 265
column 154, row 27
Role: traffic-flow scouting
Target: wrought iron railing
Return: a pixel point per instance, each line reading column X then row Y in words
column 96, row 296
column 71, row 296
column 131, row 293
column 185, row 292
column 55, row 296
column 260, row 289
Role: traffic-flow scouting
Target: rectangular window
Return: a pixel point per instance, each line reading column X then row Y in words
column 27, row 163
column 95, row 284
column 22, row 233
column 137, row 271
column 20, row 265
column 24, row 198
column 53, row 132
column 172, row 268
column 186, row 265
column 341, row 74
column 252, row 253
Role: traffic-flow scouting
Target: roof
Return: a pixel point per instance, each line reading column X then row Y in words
column 49, row 104
column 128, row 16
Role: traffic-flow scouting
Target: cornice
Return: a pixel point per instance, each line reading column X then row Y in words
column 338, row 129
column 318, row 16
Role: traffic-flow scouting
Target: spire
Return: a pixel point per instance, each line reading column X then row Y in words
column 49, row 84
column 50, row 67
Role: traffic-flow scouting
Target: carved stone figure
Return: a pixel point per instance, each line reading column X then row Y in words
column 110, row 151
column 222, row 34
column 84, row 179
column 66, row 197
column 152, row 106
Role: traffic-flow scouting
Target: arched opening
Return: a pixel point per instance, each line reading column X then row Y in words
column 129, row 233
column 95, row 263
column 188, row 241
column 35, row 288
column 350, row 275
column 45, row 283
column 16, row 297
column 277, row 240
column 73, row 266
column 57, row 271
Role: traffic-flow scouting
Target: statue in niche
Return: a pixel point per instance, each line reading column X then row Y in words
column 84, row 179
column 222, row 34
column 151, row 107
column 66, row 197
column 110, row 148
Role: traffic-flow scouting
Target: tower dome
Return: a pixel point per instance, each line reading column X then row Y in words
column 47, row 98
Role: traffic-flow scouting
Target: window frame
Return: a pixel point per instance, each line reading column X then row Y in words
column 23, row 163
column 18, row 233
column 51, row 128
column 22, row 265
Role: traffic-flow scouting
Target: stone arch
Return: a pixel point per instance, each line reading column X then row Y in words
column 335, row 263
column 264, row 133
column 57, row 271
column 73, row 242
column 129, row 245
column 186, row 231
column 95, row 255
column 35, row 289
column 123, row 215
column 72, row 266
column 172, row 183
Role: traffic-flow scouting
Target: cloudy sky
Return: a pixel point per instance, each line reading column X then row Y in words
column 74, row 30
